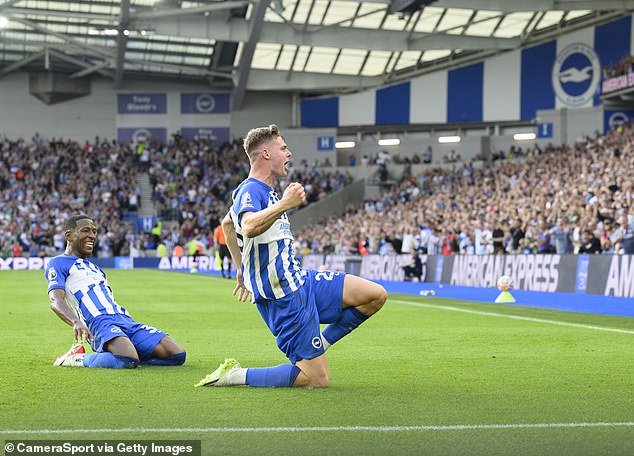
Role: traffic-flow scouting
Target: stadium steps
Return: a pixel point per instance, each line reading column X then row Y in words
column 147, row 208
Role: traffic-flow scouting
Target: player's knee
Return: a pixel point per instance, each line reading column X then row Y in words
column 378, row 298
column 319, row 380
column 382, row 297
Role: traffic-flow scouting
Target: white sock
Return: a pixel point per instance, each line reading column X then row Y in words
column 238, row 376
column 79, row 360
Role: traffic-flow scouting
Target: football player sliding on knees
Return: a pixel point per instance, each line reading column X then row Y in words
column 293, row 302
column 80, row 295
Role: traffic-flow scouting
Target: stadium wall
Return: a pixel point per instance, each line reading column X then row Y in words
column 468, row 148
column 96, row 114
column 511, row 86
column 311, row 144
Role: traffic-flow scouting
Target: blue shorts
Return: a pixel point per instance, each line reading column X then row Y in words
column 106, row 327
column 294, row 319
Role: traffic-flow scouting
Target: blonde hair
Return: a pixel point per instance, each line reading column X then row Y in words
column 256, row 136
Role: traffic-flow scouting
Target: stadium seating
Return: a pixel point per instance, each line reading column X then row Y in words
column 41, row 183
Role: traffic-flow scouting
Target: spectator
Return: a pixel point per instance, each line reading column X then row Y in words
column 627, row 238
column 427, row 155
column 414, row 269
column 590, row 243
column 561, row 235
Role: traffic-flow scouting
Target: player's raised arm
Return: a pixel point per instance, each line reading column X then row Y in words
column 65, row 313
column 255, row 223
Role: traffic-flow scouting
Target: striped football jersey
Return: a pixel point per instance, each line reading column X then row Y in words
column 87, row 290
column 270, row 269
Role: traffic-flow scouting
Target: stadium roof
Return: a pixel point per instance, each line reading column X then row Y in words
column 306, row 46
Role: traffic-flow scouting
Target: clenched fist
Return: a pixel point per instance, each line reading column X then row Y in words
column 294, row 195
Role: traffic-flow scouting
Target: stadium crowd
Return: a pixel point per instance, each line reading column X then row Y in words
column 624, row 66
column 559, row 200
column 44, row 182
column 562, row 199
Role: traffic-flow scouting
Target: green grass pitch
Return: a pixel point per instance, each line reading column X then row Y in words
column 416, row 363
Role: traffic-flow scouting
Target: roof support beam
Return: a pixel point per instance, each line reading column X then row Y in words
column 173, row 12
column 122, row 42
column 89, row 70
column 78, row 62
column 71, row 41
column 271, row 80
column 59, row 13
column 443, row 41
column 6, row 4
column 329, row 36
column 257, row 20
column 20, row 63
column 512, row 6
column 182, row 69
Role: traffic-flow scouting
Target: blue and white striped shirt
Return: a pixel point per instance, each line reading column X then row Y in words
column 87, row 290
column 270, row 269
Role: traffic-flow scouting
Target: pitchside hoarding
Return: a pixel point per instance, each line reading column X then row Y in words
column 608, row 275
column 611, row 275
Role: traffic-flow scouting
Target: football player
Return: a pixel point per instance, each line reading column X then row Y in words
column 80, row 295
column 292, row 301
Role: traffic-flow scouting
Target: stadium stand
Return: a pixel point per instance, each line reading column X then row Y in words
column 551, row 201
column 41, row 183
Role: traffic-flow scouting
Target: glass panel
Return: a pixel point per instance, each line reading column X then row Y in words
column 407, row 59
column 341, row 11
column 454, row 18
column 482, row 26
column 395, row 22
column 375, row 13
column 428, row 20
column 321, row 59
column 349, row 61
column 196, row 61
column 236, row 60
column 513, row 25
column 376, row 63
column 265, row 55
column 575, row 14
column 302, row 55
column 430, row 56
column 317, row 15
column 286, row 57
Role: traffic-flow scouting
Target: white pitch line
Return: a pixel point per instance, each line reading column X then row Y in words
column 457, row 427
column 513, row 317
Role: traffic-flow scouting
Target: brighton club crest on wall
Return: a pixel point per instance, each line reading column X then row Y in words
column 576, row 74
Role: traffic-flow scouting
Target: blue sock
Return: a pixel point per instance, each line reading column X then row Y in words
column 109, row 361
column 173, row 360
column 350, row 319
column 283, row 375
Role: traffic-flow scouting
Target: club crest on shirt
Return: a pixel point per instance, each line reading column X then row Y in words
column 52, row 275
column 246, row 201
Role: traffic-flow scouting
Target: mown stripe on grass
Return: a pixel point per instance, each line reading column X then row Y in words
column 456, row 427
column 513, row 317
